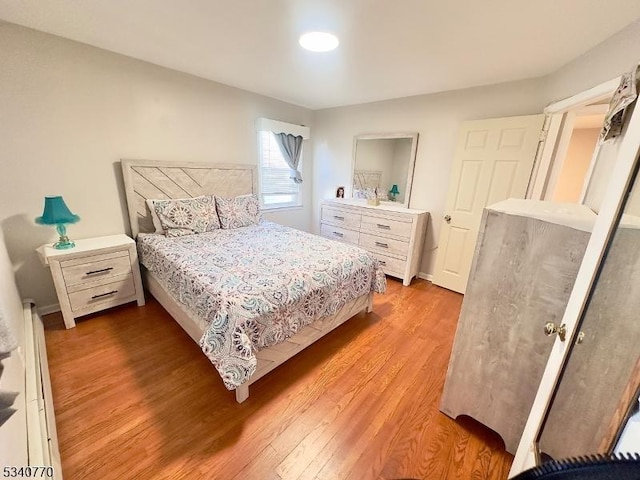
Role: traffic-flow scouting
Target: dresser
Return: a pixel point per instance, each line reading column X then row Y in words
column 392, row 233
column 97, row 273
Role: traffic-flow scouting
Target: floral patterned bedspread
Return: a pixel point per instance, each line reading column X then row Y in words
column 256, row 286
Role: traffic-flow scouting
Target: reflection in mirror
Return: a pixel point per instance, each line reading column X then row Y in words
column 598, row 393
column 383, row 166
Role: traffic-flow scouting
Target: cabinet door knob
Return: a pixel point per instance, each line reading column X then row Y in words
column 550, row 328
column 447, row 218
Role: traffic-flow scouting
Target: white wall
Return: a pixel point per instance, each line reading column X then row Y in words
column 70, row 112
column 436, row 117
column 605, row 61
column 576, row 163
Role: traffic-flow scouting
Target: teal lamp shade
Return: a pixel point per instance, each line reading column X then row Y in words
column 57, row 213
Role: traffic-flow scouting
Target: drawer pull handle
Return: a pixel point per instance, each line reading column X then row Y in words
column 337, row 217
column 384, row 227
column 383, row 245
column 102, row 270
column 382, row 262
column 338, row 234
column 104, row 294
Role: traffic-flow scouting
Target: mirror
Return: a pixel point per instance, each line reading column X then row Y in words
column 600, row 384
column 383, row 166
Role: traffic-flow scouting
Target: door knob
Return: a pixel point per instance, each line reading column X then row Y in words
column 447, row 218
column 550, row 328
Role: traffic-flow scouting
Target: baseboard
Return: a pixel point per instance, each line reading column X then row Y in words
column 426, row 276
column 47, row 309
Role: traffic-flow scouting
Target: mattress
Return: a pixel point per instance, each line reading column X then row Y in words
column 253, row 287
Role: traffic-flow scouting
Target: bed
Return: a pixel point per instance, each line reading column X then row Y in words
column 251, row 297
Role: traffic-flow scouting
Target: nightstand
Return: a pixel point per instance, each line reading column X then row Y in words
column 96, row 274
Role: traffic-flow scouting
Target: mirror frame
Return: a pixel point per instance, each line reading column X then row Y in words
column 390, row 136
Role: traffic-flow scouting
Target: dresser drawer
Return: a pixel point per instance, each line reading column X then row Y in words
column 338, row 233
column 122, row 288
column 390, row 265
column 340, row 217
column 95, row 268
column 385, row 227
column 383, row 245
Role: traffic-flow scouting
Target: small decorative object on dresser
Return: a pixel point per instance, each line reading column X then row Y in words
column 98, row 273
column 394, row 234
column 340, row 192
column 57, row 213
column 394, row 191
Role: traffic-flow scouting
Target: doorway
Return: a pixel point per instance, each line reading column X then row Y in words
column 566, row 160
column 571, row 167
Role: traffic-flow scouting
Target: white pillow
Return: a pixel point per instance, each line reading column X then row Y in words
column 154, row 216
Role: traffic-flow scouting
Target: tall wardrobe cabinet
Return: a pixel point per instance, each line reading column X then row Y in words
column 527, row 257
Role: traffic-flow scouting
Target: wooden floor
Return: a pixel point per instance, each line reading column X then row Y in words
column 136, row 398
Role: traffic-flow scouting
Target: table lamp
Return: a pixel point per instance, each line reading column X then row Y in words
column 394, row 191
column 57, row 213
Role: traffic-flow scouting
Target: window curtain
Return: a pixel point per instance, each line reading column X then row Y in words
column 291, row 147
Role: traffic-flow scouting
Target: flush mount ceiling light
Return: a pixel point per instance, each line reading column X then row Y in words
column 319, row 41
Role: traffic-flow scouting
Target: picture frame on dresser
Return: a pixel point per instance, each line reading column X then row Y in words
column 393, row 233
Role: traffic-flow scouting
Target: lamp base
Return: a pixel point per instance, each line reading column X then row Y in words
column 64, row 242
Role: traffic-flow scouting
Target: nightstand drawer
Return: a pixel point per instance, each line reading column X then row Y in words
column 109, row 292
column 95, row 268
column 340, row 234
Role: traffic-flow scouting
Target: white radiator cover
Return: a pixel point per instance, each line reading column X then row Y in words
column 29, row 435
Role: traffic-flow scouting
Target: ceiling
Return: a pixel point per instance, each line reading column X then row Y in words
column 389, row 48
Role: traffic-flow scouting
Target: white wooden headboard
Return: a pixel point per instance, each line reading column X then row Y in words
column 145, row 179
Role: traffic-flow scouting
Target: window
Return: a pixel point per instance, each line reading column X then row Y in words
column 277, row 189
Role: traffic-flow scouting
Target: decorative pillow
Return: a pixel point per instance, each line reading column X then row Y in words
column 239, row 211
column 186, row 216
column 154, row 216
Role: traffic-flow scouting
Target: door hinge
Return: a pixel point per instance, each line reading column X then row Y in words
column 543, row 135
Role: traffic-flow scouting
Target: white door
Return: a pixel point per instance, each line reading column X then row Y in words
column 493, row 160
column 622, row 155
